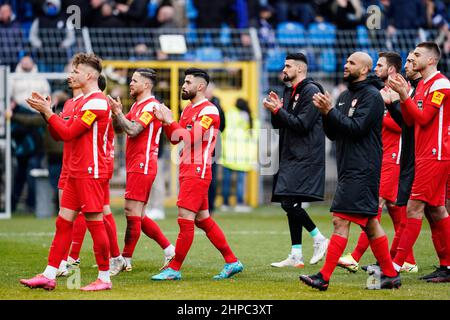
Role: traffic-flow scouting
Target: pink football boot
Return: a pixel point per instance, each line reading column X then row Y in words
column 97, row 285
column 39, row 281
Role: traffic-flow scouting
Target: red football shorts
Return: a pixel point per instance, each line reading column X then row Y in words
column 447, row 193
column 193, row 194
column 85, row 195
column 106, row 203
column 359, row 219
column 138, row 186
column 390, row 174
column 430, row 181
column 63, row 178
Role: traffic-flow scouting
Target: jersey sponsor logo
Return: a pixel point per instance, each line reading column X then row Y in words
column 146, row 117
column 437, row 97
column 206, row 122
column 88, row 117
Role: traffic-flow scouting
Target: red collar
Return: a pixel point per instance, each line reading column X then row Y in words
column 295, row 88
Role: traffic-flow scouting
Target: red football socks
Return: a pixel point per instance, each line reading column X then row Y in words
column 111, row 230
column 184, row 242
column 61, row 242
column 361, row 246
column 437, row 241
column 407, row 240
column 217, row 238
column 398, row 215
column 444, row 230
column 131, row 235
column 380, row 249
column 101, row 243
column 335, row 249
column 152, row 230
column 78, row 233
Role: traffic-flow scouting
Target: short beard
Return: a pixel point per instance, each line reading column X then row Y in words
column 286, row 78
column 384, row 78
column 350, row 78
column 187, row 95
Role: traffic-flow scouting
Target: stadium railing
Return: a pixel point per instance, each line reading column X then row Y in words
column 325, row 47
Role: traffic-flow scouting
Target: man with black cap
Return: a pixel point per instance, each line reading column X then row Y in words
column 301, row 174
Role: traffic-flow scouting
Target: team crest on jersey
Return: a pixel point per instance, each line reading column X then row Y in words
column 66, row 118
column 394, row 155
column 295, row 101
column 88, row 117
column 420, row 104
column 437, row 97
column 146, row 117
column 197, row 169
column 206, row 122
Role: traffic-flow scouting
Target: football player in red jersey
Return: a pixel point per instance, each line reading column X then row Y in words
column 389, row 63
column 143, row 132
column 197, row 128
column 89, row 172
column 79, row 225
column 429, row 111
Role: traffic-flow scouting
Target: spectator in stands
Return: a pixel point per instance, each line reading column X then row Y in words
column 266, row 30
column 133, row 12
column 238, row 153
column 294, row 10
column 347, row 14
column 165, row 18
column 53, row 149
column 7, row 17
column 105, row 15
column 51, row 36
column 406, row 14
column 10, row 37
column 165, row 23
column 210, row 13
column 27, row 142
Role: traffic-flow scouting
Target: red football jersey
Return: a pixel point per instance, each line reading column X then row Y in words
column 110, row 147
column 198, row 127
column 88, row 133
column 142, row 150
column 391, row 139
column 430, row 111
column 69, row 109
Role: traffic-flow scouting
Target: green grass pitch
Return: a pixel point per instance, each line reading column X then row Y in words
column 257, row 238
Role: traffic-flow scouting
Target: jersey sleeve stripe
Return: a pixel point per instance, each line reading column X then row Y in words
column 440, row 84
column 205, row 155
column 209, row 110
column 95, row 104
column 149, row 107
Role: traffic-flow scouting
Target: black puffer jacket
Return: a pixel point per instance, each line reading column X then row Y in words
column 302, row 145
column 355, row 124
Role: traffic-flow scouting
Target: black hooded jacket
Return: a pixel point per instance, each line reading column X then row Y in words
column 302, row 145
column 355, row 124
